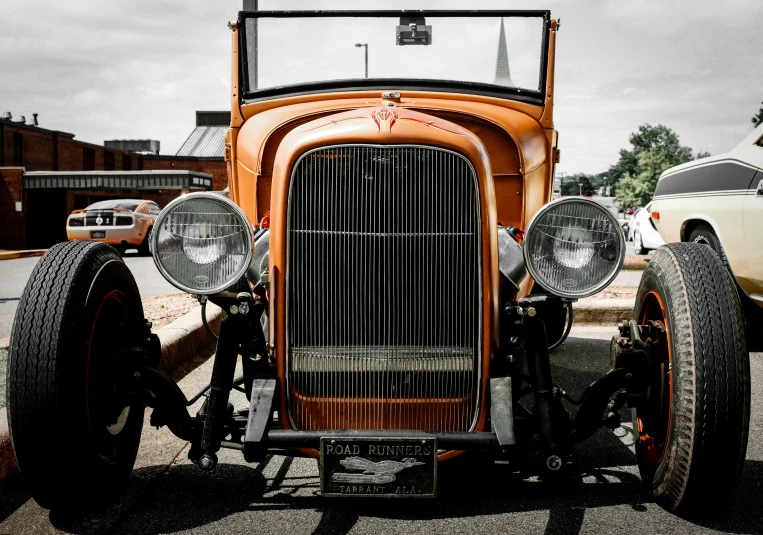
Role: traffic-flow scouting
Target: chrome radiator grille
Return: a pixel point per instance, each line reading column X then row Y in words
column 383, row 289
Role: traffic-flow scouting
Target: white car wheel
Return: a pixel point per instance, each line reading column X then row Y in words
column 638, row 244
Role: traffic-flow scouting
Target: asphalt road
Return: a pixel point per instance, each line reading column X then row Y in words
column 15, row 273
column 167, row 494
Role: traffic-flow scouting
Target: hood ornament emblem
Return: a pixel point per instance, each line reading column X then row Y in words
column 384, row 118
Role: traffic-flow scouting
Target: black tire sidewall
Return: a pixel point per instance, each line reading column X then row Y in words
column 696, row 454
column 652, row 281
column 113, row 276
column 51, row 436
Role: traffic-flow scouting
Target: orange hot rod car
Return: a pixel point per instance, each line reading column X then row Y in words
column 122, row 223
column 392, row 275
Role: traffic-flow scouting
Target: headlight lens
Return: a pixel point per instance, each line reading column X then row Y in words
column 202, row 243
column 574, row 247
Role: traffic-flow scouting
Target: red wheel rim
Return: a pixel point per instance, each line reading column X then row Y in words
column 653, row 420
column 107, row 336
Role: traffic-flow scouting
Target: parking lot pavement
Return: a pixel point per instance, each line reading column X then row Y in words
column 15, row 273
column 167, row 494
column 628, row 278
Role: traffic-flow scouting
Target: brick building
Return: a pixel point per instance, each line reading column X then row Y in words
column 45, row 174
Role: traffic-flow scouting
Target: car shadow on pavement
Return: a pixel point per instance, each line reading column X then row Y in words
column 279, row 497
column 184, row 498
column 184, row 502
column 10, row 501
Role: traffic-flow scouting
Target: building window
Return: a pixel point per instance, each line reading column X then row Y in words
column 108, row 161
column 18, row 149
column 88, row 159
column 126, row 162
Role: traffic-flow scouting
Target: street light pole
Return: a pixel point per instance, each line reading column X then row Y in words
column 580, row 186
column 364, row 45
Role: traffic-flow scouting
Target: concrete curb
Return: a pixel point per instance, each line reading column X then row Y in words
column 182, row 341
column 592, row 311
column 186, row 337
column 639, row 265
column 9, row 255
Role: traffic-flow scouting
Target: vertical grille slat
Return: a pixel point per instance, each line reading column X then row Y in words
column 383, row 285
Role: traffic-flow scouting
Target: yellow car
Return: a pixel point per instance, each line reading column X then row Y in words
column 122, row 223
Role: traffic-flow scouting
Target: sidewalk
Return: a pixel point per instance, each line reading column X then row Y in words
column 612, row 305
column 634, row 262
column 593, row 311
column 9, row 255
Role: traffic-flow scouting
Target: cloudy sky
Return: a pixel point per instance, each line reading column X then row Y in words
column 140, row 68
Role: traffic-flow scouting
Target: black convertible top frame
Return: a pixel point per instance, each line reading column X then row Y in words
column 448, row 86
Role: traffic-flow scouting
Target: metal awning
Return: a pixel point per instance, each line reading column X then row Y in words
column 205, row 142
column 144, row 180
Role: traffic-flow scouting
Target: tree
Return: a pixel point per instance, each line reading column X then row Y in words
column 638, row 188
column 645, row 138
column 757, row 119
column 571, row 185
column 655, row 149
column 584, row 184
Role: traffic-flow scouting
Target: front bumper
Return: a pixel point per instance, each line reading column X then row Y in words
column 287, row 439
column 114, row 235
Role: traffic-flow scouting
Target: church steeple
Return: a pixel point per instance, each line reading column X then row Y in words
column 502, row 73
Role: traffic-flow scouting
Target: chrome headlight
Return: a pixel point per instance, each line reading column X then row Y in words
column 574, row 247
column 202, row 243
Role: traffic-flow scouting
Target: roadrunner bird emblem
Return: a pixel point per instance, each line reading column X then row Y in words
column 373, row 472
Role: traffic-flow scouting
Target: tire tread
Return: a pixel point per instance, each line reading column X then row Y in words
column 44, row 329
column 712, row 387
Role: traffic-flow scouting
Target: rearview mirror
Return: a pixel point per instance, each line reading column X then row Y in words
column 413, row 31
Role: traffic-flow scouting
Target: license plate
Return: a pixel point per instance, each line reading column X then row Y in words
column 381, row 467
column 98, row 235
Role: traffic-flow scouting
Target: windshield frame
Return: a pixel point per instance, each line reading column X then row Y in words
column 411, row 84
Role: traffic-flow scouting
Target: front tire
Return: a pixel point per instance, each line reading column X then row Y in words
column 692, row 431
column 74, row 438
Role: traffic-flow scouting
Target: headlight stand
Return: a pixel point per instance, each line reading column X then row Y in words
column 553, row 419
column 236, row 336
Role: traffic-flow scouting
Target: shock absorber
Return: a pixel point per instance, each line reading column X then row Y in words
column 233, row 329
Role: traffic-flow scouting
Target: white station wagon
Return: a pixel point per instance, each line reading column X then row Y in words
column 718, row 201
